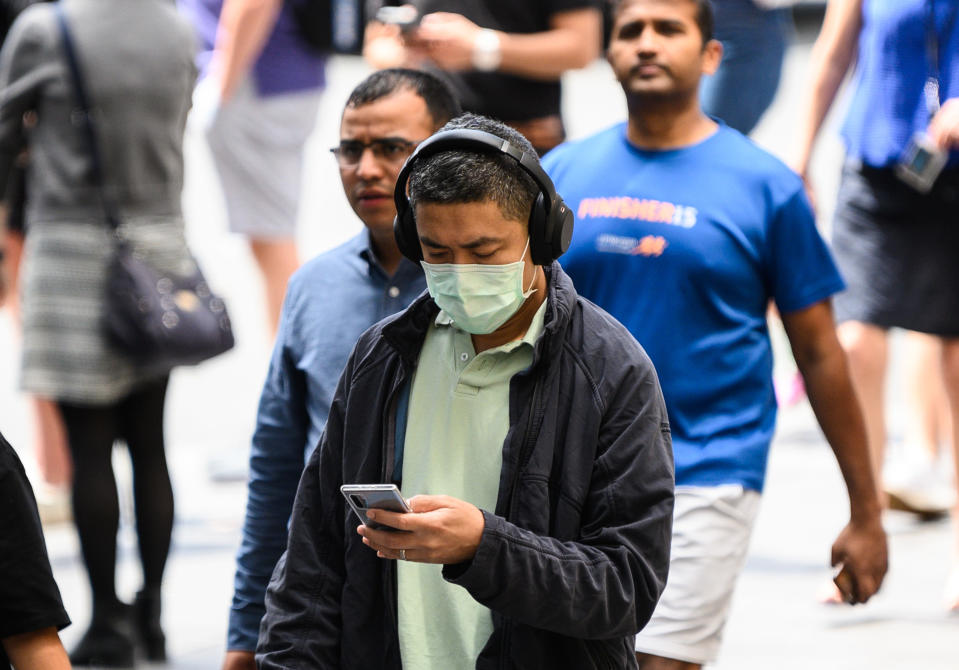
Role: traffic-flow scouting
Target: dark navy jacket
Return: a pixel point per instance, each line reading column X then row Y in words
column 573, row 559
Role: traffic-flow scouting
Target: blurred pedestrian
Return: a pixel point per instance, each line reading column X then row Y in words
column 503, row 59
column 686, row 230
column 137, row 65
column 330, row 302
column 754, row 35
column 895, row 231
column 31, row 611
column 50, row 440
column 534, row 540
column 257, row 102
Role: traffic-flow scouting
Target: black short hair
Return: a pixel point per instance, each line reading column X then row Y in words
column 705, row 16
column 476, row 176
column 440, row 101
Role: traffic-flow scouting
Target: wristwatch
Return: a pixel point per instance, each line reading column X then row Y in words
column 486, row 51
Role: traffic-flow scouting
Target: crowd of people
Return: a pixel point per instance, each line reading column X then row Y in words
column 565, row 365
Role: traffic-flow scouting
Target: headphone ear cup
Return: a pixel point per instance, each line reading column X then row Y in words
column 404, row 230
column 540, row 247
column 561, row 227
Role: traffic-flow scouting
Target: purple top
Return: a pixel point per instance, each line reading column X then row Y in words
column 889, row 104
column 286, row 65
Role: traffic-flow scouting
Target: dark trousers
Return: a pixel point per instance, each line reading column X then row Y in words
column 92, row 430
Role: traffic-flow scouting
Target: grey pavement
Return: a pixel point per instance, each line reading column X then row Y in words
column 775, row 622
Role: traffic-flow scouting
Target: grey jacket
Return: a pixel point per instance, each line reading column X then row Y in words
column 573, row 559
column 137, row 61
column 137, row 58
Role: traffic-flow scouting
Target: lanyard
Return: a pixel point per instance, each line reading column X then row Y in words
column 933, row 87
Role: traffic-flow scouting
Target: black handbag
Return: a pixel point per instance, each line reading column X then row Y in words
column 159, row 319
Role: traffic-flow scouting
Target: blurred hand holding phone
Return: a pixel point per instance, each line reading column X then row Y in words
column 921, row 163
column 405, row 17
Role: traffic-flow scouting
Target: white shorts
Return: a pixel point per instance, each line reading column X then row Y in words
column 711, row 530
column 257, row 146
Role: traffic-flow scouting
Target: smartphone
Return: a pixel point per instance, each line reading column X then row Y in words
column 362, row 497
column 406, row 17
column 921, row 162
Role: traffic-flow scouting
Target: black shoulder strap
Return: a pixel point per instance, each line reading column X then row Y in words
column 86, row 119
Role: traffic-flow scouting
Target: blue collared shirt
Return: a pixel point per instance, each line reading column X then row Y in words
column 329, row 303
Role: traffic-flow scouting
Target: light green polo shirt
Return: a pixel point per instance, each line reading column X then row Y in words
column 457, row 422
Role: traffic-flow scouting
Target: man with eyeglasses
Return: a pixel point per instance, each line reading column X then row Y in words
column 330, row 301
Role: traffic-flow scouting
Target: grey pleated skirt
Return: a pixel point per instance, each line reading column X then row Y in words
column 65, row 354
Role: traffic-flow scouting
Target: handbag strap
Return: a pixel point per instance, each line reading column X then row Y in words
column 85, row 118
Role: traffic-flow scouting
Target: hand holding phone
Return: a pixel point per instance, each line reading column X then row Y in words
column 362, row 497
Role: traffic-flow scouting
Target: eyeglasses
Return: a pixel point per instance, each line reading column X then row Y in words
column 389, row 150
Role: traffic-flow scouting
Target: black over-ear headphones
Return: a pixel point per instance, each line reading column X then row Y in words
column 550, row 221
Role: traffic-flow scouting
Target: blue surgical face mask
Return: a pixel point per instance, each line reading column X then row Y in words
column 479, row 298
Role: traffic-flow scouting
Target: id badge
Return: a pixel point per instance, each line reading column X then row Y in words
column 921, row 163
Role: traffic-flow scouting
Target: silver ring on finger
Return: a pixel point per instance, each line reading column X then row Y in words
column 402, row 554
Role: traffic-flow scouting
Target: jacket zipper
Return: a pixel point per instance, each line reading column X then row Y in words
column 526, row 451
column 386, row 474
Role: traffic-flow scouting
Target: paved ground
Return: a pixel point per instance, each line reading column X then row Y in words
column 775, row 623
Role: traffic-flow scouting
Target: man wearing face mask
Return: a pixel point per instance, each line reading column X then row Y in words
column 527, row 425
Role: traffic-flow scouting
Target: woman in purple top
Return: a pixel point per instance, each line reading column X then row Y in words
column 895, row 232
column 257, row 102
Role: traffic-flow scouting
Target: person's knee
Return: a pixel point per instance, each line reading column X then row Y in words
column 950, row 367
column 865, row 345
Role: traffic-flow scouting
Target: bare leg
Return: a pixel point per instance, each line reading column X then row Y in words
column 868, row 350
column 50, row 436
column 927, row 405
column 648, row 662
column 950, row 367
column 13, row 252
column 53, row 457
column 277, row 260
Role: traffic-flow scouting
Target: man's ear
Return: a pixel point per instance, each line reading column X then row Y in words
column 712, row 56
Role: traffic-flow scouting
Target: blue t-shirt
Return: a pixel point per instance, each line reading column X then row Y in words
column 686, row 247
column 889, row 106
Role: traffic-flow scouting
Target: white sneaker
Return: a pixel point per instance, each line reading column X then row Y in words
column 53, row 503
column 917, row 484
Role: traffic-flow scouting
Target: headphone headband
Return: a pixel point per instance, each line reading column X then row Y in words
column 550, row 223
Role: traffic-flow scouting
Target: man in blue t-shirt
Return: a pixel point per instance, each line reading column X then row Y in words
column 685, row 231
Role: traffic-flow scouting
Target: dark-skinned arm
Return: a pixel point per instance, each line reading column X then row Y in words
column 861, row 545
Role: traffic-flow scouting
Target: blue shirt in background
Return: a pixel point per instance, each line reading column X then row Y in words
column 888, row 106
column 686, row 248
column 330, row 302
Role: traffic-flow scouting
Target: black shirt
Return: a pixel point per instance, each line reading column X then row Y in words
column 29, row 597
column 501, row 96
